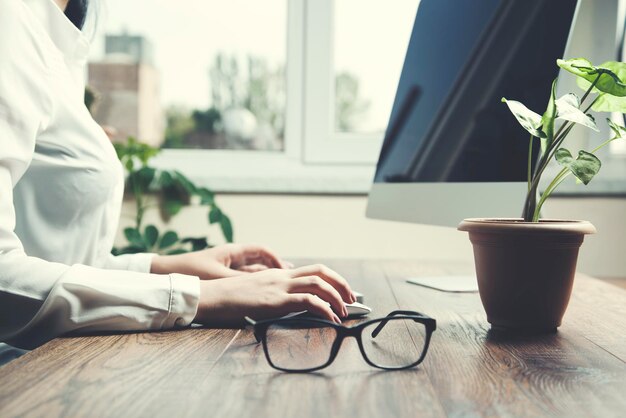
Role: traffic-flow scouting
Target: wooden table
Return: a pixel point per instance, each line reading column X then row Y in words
column 468, row 371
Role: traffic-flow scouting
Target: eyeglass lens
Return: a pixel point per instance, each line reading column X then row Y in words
column 299, row 344
column 399, row 343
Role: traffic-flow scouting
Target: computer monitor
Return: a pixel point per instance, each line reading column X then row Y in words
column 452, row 150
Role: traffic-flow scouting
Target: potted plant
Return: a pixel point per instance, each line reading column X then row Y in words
column 526, row 266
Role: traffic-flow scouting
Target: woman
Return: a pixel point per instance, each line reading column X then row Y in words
column 61, row 187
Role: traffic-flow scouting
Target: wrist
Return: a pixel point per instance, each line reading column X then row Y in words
column 161, row 265
column 210, row 302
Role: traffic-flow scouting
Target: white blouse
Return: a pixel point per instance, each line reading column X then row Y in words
column 61, row 190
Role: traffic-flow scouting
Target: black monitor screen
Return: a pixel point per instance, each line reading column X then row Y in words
column 447, row 121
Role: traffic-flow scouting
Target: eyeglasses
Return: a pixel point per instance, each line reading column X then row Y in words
column 302, row 344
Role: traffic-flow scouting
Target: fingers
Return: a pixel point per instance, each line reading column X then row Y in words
column 253, row 268
column 315, row 305
column 318, row 287
column 256, row 254
column 271, row 259
column 329, row 276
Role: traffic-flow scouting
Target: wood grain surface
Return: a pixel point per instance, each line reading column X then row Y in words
column 469, row 371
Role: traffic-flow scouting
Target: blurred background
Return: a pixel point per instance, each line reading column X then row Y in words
column 280, row 107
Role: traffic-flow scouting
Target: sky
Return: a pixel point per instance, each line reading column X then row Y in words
column 370, row 41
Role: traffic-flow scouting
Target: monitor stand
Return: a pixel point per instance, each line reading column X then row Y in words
column 456, row 284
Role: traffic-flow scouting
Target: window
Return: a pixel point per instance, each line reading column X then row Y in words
column 272, row 96
column 354, row 55
column 275, row 95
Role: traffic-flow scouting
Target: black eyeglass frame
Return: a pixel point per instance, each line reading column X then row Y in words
column 342, row 331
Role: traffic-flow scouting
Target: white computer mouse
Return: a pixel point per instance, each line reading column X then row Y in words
column 358, row 309
column 354, row 310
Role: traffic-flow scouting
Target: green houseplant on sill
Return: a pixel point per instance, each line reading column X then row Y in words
column 526, row 266
column 168, row 190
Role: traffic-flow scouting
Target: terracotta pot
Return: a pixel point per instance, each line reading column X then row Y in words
column 525, row 270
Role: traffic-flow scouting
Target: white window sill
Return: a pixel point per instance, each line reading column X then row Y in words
column 266, row 172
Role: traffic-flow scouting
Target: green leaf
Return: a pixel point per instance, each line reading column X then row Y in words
column 620, row 131
column 151, row 235
column 613, row 76
column 130, row 249
column 176, row 191
column 165, row 179
column 174, row 194
column 133, row 151
column 185, row 183
column 197, row 244
column 146, row 152
column 141, row 178
column 547, row 120
column 227, row 228
column 609, row 82
column 215, row 215
column 581, row 67
column 585, row 167
column 607, row 103
column 567, row 108
column 120, row 150
column 172, row 206
column 134, row 237
column 177, row 251
column 147, row 175
column 169, row 238
column 206, row 196
column 529, row 120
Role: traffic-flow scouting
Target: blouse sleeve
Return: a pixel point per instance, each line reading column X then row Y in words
column 141, row 262
column 40, row 300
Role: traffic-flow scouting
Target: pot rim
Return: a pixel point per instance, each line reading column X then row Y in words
column 517, row 225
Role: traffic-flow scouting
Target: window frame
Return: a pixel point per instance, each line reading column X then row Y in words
column 321, row 143
column 314, row 158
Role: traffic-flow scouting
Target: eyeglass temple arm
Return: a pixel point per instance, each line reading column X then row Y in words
column 252, row 322
column 382, row 324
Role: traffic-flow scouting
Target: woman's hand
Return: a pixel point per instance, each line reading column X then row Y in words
column 223, row 261
column 274, row 292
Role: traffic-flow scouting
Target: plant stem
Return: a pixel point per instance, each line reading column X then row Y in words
column 530, row 160
column 560, row 177
column 530, row 207
column 593, row 102
column 604, row 144
column 531, row 198
column 139, row 202
column 559, row 138
column 553, row 185
column 557, row 144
